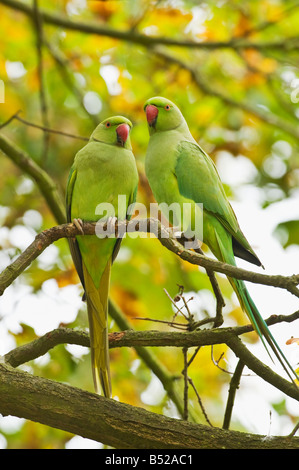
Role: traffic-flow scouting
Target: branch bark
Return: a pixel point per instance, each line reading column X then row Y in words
column 45, row 238
column 115, row 424
column 130, row 338
column 44, row 182
column 143, row 339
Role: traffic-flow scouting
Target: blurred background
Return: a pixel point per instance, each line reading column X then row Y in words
column 238, row 89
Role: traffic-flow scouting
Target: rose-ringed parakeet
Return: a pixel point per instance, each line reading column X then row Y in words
column 102, row 170
column 180, row 172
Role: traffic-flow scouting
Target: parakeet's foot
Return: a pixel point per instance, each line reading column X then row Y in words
column 111, row 226
column 79, row 224
column 174, row 232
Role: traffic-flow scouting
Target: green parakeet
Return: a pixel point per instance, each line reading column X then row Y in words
column 180, row 172
column 102, row 171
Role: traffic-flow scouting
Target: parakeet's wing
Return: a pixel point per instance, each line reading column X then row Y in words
column 74, row 247
column 73, row 244
column 198, row 180
column 132, row 200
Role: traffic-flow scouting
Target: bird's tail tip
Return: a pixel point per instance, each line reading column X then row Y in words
column 106, row 383
column 102, row 382
column 264, row 333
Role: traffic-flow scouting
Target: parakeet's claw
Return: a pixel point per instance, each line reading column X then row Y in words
column 111, row 226
column 79, row 224
column 174, row 232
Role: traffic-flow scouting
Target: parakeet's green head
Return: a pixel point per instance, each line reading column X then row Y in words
column 115, row 131
column 162, row 115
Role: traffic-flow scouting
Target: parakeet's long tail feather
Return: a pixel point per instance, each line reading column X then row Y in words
column 257, row 321
column 261, row 326
column 97, row 306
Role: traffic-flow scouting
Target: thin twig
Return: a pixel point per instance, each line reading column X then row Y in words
column 45, row 183
column 234, row 385
column 193, row 355
column 179, row 326
column 63, row 68
column 175, row 305
column 42, row 128
column 10, row 119
column 285, row 14
column 200, row 402
column 292, row 434
column 38, row 22
column 185, row 375
column 216, row 363
column 52, row 131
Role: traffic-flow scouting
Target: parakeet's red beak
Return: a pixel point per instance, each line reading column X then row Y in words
column 122, row 132
column 151, row 114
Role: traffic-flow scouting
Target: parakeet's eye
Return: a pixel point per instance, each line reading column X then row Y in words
column 108, row 124
column 167, row 107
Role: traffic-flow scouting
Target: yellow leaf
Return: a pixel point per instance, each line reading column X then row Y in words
column 127, row 301
column 292, row 340
column 242, row 26
column 104, row 9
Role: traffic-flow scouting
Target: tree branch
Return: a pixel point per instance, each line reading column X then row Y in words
column 115, row 424
column 62, row 67
column 38, row 24
column 147, row 41
column 268, row 117
column 234, row 385
column 144, row 339
column 42, row 128
column 131, row 338
column 45, row 238
column 44, row 182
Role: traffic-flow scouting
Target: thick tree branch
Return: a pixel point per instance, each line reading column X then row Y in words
column 115, row 424
column 144, row 339
column 135, row 339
